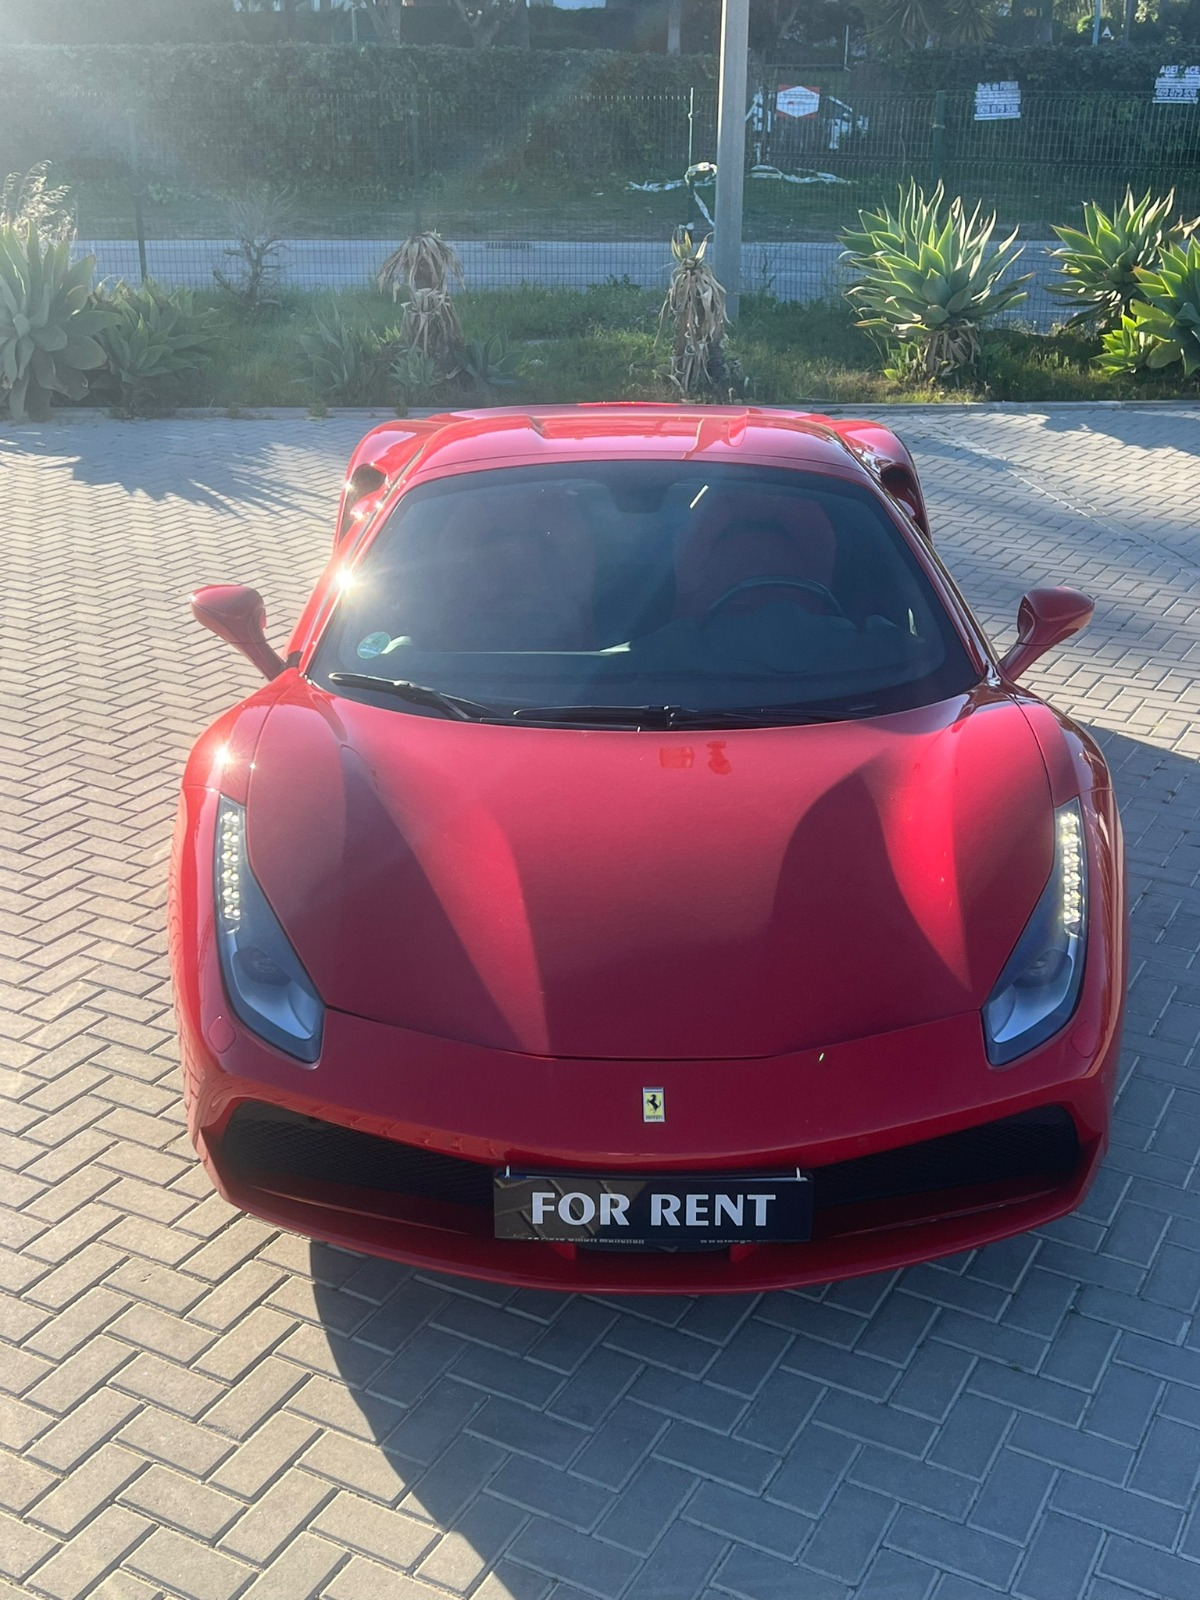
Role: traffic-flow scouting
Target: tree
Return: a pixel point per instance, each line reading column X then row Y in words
column 386, row 15
column 925, row 24
column 485, row 18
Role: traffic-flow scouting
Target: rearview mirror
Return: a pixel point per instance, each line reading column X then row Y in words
column 238, row 615
column 1046, row 618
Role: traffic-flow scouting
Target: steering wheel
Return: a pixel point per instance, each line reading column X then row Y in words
column 775, row 581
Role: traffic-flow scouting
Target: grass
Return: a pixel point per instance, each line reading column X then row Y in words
column 603, row 344
column 473, row 207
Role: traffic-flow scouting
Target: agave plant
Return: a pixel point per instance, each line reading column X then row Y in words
column 344, row 358
column 415, row 377
column 488, row 363
column 1099, row 265
column 424, row 261
column 48, row 326
column 1163, row 326
column 930, row 276
column 695, row 303
column 157, row 336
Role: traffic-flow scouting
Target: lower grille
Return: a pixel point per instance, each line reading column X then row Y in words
column 265, row 1139
column 1036, row 1146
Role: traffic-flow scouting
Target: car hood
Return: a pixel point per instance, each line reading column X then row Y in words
column 650, row 895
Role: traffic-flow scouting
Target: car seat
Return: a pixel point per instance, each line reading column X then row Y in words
column 510, row 570
column 739, row 536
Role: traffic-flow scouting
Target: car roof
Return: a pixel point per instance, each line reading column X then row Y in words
column 612, row 431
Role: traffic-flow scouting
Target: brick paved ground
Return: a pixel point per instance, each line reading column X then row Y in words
column 194, row 1405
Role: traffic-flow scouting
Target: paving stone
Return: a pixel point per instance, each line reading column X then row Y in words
column 849, row 1532
column 754, row 1575
column 966, row 1551
column 88, row 1488
column 388, row 1536
column 1068, row 1447
column 262, row 1532
column 1169, row 1462
column 556, row 1551
column 1117, row 1510
column 1150, row 1571
column 21, row 1546
column 188, row 1567
column 77, row 1566
column 299, row 1570
column 84, row 1430
column 480, row 1534
column 712, row 1455
column 651, row 1502
column 684, row 1558
column 613, row 1450
column 464, row 1468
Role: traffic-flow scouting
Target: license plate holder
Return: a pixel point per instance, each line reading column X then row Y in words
column 648, row 1212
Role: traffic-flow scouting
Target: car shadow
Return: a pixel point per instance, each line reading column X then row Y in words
column 557, row 1436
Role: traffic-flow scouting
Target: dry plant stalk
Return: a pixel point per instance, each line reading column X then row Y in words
column 430, row 327
column 696, row 305
column 424, row 261
column 28, row 200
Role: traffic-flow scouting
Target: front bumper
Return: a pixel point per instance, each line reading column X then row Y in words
column 389, row 1145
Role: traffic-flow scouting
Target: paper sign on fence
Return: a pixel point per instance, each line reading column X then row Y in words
column 797, row 100
column 1177, row 86
column 997, row 102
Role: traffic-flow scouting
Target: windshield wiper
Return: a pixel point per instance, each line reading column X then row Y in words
column 667, row 717
column 417, row 694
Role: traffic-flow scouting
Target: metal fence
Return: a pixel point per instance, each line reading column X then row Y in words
column 579, row 188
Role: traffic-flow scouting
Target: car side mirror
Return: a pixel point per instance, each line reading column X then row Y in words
column 238, row 615
column 1046, row 618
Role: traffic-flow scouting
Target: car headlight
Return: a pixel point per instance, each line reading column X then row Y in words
column 267, row 986
column 1039, row 987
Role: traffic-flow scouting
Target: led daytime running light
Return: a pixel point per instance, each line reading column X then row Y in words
column 1070, row 854
column 231, row 849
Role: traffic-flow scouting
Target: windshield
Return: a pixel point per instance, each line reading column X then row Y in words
column 644, row 584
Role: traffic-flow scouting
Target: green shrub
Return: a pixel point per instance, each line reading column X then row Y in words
column 929, row 277
column 1100, row 264
column 345, row 358
column 1163, row 326
column 48, row 329
column 156, row 338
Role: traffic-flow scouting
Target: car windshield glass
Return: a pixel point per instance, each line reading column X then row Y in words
column 645, row 584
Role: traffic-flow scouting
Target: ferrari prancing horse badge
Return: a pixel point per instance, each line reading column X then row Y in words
column 654, row 1105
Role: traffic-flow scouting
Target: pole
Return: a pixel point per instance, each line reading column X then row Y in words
column 1096, row 20
column 414, row 132
column 939, row 135
column 135, row 180
column 1128, row 23
column 731, row 148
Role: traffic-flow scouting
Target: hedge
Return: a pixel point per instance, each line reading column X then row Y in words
column 213, row 115
column 1067, row 67
column 216, row 116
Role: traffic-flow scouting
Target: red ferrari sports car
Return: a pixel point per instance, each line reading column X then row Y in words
column 641, row 873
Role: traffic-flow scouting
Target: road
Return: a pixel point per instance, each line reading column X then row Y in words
column 802, row 271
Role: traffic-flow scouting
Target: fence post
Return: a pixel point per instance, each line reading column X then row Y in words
column 939, row 136
column 414, row 135
column 135, row 180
